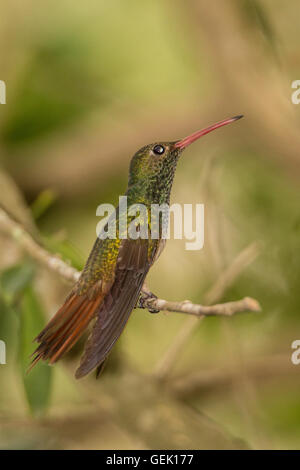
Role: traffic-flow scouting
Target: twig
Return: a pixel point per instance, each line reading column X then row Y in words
column 228, row 277
column 217, row 380
column 243, row 259
column 226, row 309
column 56, row 264
column 34, row 249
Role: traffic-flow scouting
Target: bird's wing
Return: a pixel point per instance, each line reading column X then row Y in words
column 69, row 323
column 74, row 316
column 132, row 267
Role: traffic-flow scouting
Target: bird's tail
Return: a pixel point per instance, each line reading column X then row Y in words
column 65, row 328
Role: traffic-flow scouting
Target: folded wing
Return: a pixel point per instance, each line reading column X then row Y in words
column 132, row 267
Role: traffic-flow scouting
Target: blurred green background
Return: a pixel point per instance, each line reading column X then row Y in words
column 88, row 83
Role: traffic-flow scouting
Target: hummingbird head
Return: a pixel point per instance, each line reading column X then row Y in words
column 153, row 166
column 153, row 161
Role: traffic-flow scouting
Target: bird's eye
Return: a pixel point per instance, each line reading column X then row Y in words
column 158, row 149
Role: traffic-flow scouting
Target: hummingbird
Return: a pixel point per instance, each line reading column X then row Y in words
column 112, row 282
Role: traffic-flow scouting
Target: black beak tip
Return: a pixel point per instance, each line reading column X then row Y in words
column 240, row 116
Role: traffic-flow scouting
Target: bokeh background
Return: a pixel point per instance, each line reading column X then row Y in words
column 88, row 83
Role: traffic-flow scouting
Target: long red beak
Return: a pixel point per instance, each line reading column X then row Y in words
column 183, row 143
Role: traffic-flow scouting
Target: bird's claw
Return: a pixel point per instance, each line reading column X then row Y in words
column 145, row 297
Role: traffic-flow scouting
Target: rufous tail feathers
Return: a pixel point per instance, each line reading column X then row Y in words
column 65, row 328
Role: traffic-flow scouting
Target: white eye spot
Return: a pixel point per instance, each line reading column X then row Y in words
column 158, row 149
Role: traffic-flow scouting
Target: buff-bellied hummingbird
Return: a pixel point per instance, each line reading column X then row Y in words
column 111, row 283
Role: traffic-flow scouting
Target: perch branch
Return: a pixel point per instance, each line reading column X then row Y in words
column 54, row 263
column 244, row 258
column 226, row 309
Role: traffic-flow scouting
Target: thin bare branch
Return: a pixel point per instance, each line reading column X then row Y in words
column 246, row 304
column 34, row 249
column 243, row 259
column 67, row 272
column 218, row 380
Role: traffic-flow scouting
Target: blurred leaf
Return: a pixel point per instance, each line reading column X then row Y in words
column 14, row 279
column 42, row 203
column 67, row 250
column 164, row 422
column 37, row 382
column 257, row 16
column 55, row 91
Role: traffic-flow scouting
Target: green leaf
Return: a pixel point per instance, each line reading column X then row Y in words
column 258, row 17
column 40, row 106
column 15, row 279
column 68, row 252
column 42, row 203
column 37, row 383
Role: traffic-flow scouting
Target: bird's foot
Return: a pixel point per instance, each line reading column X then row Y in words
column 145, row 297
